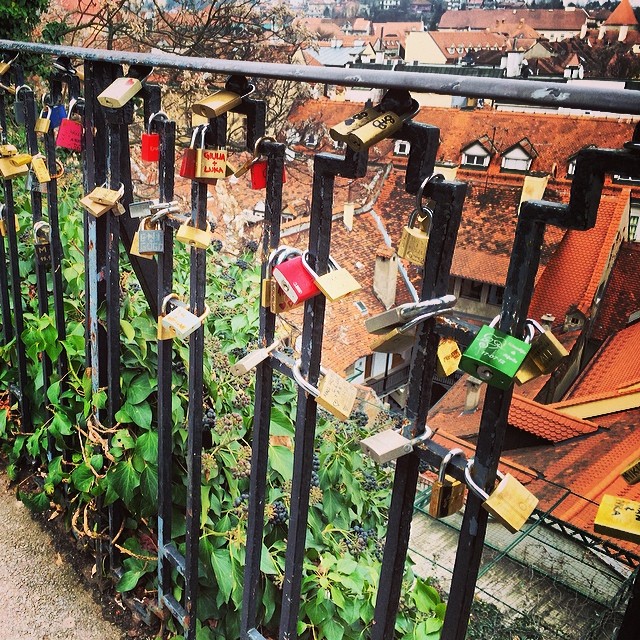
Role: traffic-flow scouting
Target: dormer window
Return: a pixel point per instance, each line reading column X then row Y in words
column 311, row 140
column 519, row 156
column 478, row 154
column 571, row 168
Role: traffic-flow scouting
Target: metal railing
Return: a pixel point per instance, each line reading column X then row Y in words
column 106, row 160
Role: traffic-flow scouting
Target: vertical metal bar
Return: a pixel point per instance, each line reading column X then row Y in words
column 449, row 198
column 263, row 390
column 326, row 168
column 5, row 304
column 631, row 621
column 194, row 423
column 167, row 132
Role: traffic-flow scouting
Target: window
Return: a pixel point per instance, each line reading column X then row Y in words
column 633, row 228
column 622, row 179
column 471, row 290
column 401, row 148
column 495, row 294
column 571, row 169
column 312, row 140
column 475, row 161
column 516, row 164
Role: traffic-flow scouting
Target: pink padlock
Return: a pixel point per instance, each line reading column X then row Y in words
column 294, row 280
column 70, row 131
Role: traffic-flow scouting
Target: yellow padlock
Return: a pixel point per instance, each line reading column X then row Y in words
column 9, row 170
column 216, row 104
column 198, row 238
column 21, row 159
column 94, row 208
column 39, row 167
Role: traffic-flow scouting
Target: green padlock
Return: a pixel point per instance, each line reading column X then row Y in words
column 494, row 356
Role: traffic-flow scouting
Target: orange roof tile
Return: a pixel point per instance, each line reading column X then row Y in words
column 622, row 15
column 615, row 366
column 539, row 19
column 622, row 295
column 574, row 272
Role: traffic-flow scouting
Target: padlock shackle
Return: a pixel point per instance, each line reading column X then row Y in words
column 446, row 460
column 20, row 88
column 280, row 254
column 167, row 299
column 427, row 434
column 157, row 114
column 120, row 189
column 10, row 62
column 530, row 330
column 535, row 324
column 481, row 493
column 256, row 146
column 331, row 263
column 37, row 228
column 302, row 381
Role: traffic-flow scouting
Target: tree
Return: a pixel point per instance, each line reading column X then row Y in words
column 19, row 17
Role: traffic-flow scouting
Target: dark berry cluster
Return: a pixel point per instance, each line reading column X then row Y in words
column 243, row 463
column 358, row 540
column 370, row 483
column 277, row 384
column 251, row 245
column 279, row 514
column 241, row 503
column 208, row 418
column 228, row 422
column 360, row 418
column 229, row 295
column 242, row 264
column 216, row 245
column 315, row 478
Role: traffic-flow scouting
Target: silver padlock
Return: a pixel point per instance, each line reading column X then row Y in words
column 391, row 444
column 400, row 315
column 141, row 208
column 180, row 321
column 150, row 238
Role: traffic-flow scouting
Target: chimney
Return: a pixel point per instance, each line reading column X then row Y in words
column 547, row 321
column 472, row 399
column 385, row 276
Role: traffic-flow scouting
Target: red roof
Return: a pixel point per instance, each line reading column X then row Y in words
column 622, row 15
column 539, row 19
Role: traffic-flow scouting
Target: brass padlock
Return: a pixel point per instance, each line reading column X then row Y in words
column 334, row 393
column 103, row 195
column 181, row 320
column 119, row 92
column 253, row 359
column 39, row 167
column 447, row 493
column 150, row 237
column 510, row 503
column 94, row 208
column 9, row 170
column 218, row 103
column 6, row 65
column 21, row 159
column 211, row 164
column 449, row 356
column 415, row 237
column 544, row 356
column 389, row 445
column 340, row 131
column 43, row 123
column 8, row 150
column 619, row 518
column 198, row 238
column 336, row 283
column 42, row 242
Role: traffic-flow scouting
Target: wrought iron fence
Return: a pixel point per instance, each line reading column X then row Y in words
column 106, row 161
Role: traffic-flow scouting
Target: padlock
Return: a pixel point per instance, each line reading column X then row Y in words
column 10, row 170
column 8, row 150
column 5, row 65
column 211, row 164
column 381, row 127
column 42, row 242
column 272, row 296
column 336, row 283
column 188, row 164
column 70, row 131
column 119, row 92
column 253, row 359
column 18, row 105
column 389, row 445
column 141, row 208
column 340, row 131
column 150, row 145
column 334, row 393
column 217, row 103
column 39, row 167
column 150, row 237
column 58, row 113
column 256, row 157
column 259, row 174
column 631, row 473
column 618, row 517
column 511, row 503
column 415, row 237
column 8, row 89
column 43, row 123
column 104, row 195
column 21, row 159
column 449, row 356
column 400, row 315
column 134, row 249
column 494, row 356
column 118, row 209
column 96, row 209
column 295, row 280
column 197, row 238
column 447, row 493
column 180, row 319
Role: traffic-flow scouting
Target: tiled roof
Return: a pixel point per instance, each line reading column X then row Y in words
column 573, row 273
column 473, row 40
column 615, row 366
column 622, row 295
column 539, row 19
column 396, row 28
column 545, row 422
column 622, row 15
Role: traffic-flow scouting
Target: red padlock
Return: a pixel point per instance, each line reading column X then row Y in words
column 70, row 131
column 188, row 165
column 295, row 280
column 259, row 174
column 150, row 151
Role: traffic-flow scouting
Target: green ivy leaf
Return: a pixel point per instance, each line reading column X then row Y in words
column 221, row 565
column 333, row 630
column 82, row 478
column 124, row 480
column 281, row 424
column 139, row 389
column 425, row 597
column 128, row 330
column 149, row 487
column 123, row 439
column 147, row 446
column 129, row 580
column 281, row 459
column 37, row 502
